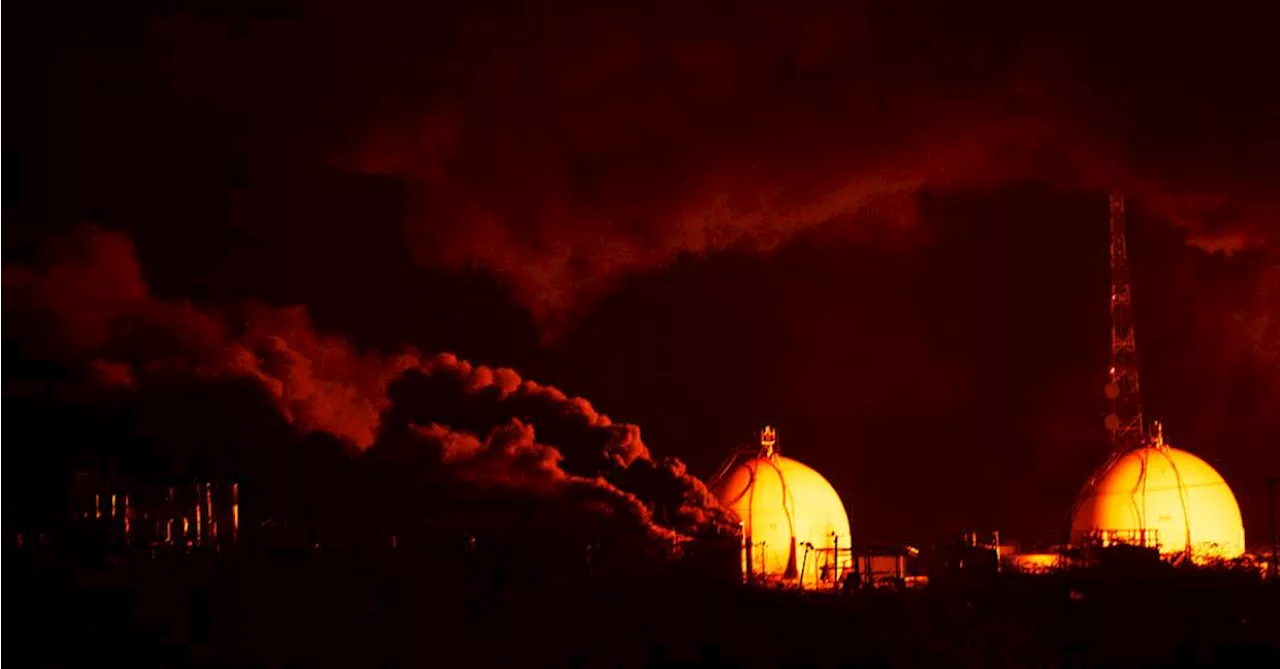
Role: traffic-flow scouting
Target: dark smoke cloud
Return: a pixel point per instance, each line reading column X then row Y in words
column 1244, row 330
column 609, row 141
column 480, row 400
column 90, row 303
column 90, row 300
column 509, row 458
column 89, row 281
column 562, row 147
column 499, row 393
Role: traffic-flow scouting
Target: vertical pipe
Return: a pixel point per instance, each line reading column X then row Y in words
column 790, row 571
column 186, row 529
column 126, row 518
column 1271, row 496
column 835, row 564
column 168, row 512
column 211, row 519
column 113, row 506
column 235, row 513
column 199, row 514
column 97, row 506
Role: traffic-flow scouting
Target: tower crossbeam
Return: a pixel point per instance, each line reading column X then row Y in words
column 1125, row 422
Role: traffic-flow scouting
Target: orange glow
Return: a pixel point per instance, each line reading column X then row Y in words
column 812, row 513
column 235, row 513
column 209, row 513
column 1171, row 491
column 199, row 538
column 1034, row 563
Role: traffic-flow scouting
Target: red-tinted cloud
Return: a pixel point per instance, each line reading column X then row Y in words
column 90, row 301
column 561, row 148
column 90, row 281
column 510, row 458
column 90, row 296
column 483, row 400
column 610, row 141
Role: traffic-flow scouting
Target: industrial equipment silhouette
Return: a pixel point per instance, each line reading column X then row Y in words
column 1148, row 493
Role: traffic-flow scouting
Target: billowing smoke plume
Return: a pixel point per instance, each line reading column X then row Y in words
column 508, row 458
column 481, row 400
column 90, row 304
column 561, row 148
column 472, row 424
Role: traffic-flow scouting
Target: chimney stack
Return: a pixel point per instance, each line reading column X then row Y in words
column 235, row 514
column 169, row 510
column 126, row 518
column 199, row 538
column 211, row 519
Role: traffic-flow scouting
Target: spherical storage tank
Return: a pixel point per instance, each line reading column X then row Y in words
column 794, row 525
column 1171, row 491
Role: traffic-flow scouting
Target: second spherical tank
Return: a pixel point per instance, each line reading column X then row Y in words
column 1179, row 496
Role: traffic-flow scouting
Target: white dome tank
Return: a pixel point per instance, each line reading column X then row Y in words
column 1187, row 503
column 793, row 521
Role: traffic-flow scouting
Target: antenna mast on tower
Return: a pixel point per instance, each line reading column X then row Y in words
column 1125, row 421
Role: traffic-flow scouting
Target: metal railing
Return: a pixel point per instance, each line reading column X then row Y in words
column 1102, row 538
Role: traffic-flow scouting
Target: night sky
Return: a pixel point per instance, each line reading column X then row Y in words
column 881, row 228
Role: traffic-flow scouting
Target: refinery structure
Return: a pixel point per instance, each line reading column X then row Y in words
column 1148, row 493
column 795, row 531
column 187, row 516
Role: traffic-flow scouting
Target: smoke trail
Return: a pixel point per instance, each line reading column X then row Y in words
column 89, row 305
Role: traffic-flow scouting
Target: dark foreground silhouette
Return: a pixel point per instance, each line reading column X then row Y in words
column 401, row 608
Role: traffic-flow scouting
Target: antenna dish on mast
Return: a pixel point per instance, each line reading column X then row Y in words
column 1125, row 422
column 1148, row 493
